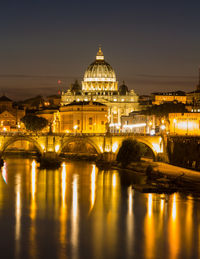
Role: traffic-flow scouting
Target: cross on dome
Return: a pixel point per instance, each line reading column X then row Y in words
column 100, row 55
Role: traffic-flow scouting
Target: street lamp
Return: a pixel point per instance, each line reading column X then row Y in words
column 75, row 128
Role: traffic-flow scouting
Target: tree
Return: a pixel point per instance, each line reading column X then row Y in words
column 130, row 151
column 34, row 123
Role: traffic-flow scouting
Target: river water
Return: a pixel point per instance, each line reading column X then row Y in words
column 81, row 212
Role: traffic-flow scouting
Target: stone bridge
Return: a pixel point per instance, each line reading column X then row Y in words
column 101, row 143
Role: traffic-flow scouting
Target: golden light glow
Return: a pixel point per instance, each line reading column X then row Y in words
column 174, row 207
column 130, row 200
column 33, row 207
column 101, row 148
column 163, row 127
column 114, row 180
column 63, row 210
column 57, row 147
column 18, row 206
column 4, row 173
column 63, row 183
column 74, row 235
column 93, row 186
column 43, row 147
column 189, row 225
column 131, row 126
column 162, row 203
column 114, row 147
column 17, row 213
column 33, row 180
column 130, row 221
column 156, row 147
column 149, row 204
column 174, row 238
column 149, row 228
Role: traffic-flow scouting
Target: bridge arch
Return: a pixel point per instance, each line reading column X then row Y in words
column 21, row 138
column 143, row 141
column 82, row 140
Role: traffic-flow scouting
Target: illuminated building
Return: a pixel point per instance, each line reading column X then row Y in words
column 193, row 98
column 9, row 116
column 140, row 123
column 100, row 85
column 184, row 123
column 54, row 100
column 83, row 117
column 162, row 97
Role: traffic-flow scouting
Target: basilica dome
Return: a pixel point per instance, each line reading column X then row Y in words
column 99, row 70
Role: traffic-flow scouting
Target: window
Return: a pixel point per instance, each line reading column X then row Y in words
column 90, row 121
column 78, row 122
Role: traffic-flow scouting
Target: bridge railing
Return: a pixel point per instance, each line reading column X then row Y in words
column 32, row 134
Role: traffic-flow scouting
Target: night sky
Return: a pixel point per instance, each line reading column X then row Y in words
column 152, row 45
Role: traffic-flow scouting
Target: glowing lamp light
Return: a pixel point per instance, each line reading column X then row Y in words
column 33, row 163
column 152, row 132
column 163, row 127
column 4, row 129
column 75, row 127
column 57, row 147
column 101, row 148
column 114, row 147
column 43, row 147
column 131, row 126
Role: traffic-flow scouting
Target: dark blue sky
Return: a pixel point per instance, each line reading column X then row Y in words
column 152, row 45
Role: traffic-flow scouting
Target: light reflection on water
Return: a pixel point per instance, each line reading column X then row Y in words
column 80, row 212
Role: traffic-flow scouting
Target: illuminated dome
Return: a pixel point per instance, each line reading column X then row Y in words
column 99, row 75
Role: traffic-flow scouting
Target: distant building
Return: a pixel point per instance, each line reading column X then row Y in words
column 10, row 116
column 34, row 103
column 83, row 117
column 140, row 123
column 193, row 98
column 162, row 97
column 100, row 85
column 184, row 123
column 54, row 100
column 145, row 101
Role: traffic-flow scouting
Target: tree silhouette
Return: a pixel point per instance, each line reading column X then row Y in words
column 34, row 123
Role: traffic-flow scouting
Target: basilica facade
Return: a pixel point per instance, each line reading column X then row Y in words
column 100, row 85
